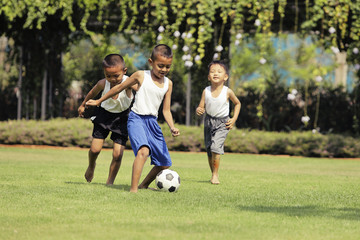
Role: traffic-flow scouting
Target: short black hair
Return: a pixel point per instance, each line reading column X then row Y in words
column 221, row 63
column 113, row 60
column 162, row 50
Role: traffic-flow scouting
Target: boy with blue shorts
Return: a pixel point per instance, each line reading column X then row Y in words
column 111, row 116
column 152, row 89
column 215, row 103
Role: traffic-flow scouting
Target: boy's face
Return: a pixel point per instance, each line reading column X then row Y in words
column 217, row 74
column 114, row 74
column 160, row 66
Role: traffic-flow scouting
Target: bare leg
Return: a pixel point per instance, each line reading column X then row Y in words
column 151, row 176
column 95, row 148
column 138, row 166
column 215, row 168
column 211, row 163
column 118, row 151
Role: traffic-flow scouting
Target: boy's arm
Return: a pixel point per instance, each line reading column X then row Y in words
column 135, row 87
column 135, row 78
column 200, row 110
column 230, row 123
column 167, row 113
column 99, row 86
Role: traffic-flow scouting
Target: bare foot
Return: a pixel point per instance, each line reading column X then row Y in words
column 142, row 187
column 150, row 188
column 89, row 174
column 109, row 183
column 215, row 180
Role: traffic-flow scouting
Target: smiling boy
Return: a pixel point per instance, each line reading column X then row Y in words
column 111, row 116
column 215, row 103
column 146, row 138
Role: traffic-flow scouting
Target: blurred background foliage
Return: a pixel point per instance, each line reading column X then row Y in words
column 293, row 64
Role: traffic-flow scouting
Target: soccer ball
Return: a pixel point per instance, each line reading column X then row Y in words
column 167, row 180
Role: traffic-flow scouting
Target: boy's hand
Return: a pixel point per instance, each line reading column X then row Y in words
column 175, row 132
column 92, row 102
column 230, row 123
column 81, row 111
column 200, row 111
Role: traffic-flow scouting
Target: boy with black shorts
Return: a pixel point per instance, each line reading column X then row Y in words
column 215, row 103
column 111, row 116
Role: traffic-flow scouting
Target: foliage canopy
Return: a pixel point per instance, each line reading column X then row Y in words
column 338, row 21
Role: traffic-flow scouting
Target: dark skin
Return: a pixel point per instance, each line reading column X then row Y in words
column 160, row 67
column 114, row 75
column 217, row 77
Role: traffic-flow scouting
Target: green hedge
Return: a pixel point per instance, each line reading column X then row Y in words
column 77, row 132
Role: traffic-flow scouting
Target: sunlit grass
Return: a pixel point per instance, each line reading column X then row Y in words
column 43, row 195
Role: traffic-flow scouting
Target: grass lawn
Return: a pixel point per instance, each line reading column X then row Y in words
column 43, row 195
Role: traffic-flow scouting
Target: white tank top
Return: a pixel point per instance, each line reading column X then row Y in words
column 149, row 96
column 116, row 105
column 217, row 107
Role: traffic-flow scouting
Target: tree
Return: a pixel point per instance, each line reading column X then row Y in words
column 201, row 25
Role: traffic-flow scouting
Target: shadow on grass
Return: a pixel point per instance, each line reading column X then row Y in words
column 307, row 211
column 207, row 181
column 124, row 187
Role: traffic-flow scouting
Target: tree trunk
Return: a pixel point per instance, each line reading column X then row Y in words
column 59, row 95
column 188, row 100
column 43, row 96
column 27, row 100
column 35, row 108
column 50, row 104
column 19, row 84
column 341, row 70
column 3, row 45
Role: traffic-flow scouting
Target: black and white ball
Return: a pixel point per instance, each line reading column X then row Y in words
column 168, row 180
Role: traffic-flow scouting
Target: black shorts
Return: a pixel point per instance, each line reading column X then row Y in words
column 116, row 123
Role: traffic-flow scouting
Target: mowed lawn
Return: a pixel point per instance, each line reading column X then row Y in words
column 43, row 195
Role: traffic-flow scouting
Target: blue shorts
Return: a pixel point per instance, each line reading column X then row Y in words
column 145, row 131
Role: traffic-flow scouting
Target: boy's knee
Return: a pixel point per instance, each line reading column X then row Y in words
column 95, row 151
column 143, row 152
column 117, row 157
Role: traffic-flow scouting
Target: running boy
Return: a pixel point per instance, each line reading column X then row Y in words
column 111, row 116
column 146, row 138
column 215, row 103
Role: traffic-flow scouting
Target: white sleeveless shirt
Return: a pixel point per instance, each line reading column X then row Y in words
column 116, row 105
column 149, row 96
column 217, row 107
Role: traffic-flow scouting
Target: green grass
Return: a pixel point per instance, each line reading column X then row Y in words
column 43, row 195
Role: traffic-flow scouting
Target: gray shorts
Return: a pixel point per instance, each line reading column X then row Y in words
column 215, row 133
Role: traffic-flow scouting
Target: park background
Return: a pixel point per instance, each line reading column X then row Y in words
column 294, row 65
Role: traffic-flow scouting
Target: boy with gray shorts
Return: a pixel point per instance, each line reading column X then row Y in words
column 215, row 103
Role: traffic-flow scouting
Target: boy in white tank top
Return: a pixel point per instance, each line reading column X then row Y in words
column 111, row 117
column 215, row 103
column 153, row 88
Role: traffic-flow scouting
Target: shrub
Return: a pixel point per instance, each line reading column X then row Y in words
column 280, row 114
column 77, row 132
